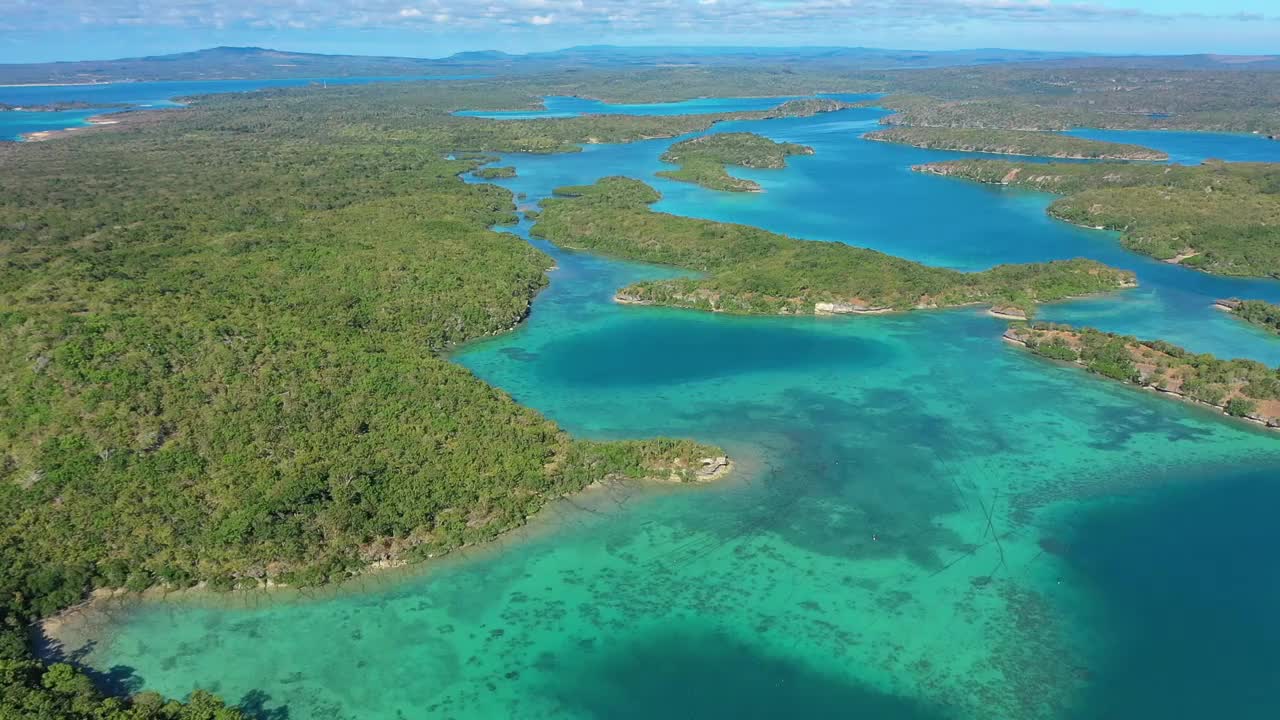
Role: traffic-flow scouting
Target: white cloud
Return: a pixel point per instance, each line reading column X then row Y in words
column 709, row 17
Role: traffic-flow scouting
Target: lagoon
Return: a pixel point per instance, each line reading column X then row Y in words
column 1193, row 148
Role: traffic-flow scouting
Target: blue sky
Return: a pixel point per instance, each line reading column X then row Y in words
column 42, row 30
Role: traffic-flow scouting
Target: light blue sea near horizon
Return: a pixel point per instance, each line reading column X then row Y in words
column 137, row 95
column 926, row 523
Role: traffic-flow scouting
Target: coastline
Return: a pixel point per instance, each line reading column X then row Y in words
column 65, row 632
column 390, row 569
column 1236, row 308
column 828, row 309
column 970, row 149
column 95, row 121
column 1006, row 313
column 1175, row 260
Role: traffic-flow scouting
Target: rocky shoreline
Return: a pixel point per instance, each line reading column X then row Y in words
column 1016, row 336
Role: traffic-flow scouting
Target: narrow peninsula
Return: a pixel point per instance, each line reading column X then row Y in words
column 1256, row 312
column 702, row 160
column 1222, row 218
column 747, row 270
column 559, row 135
column 1014, row 142
column 1239, row 388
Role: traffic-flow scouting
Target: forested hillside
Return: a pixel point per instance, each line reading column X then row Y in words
column 222, row 338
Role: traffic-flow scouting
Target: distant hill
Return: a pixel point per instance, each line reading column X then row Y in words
column 1177, row 62
column 222, row 63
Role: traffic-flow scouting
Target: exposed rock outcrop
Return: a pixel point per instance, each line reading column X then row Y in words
column 847, row 308
column 713, row 468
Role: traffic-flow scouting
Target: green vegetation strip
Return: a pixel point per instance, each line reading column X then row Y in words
column 702, row 160
column 1014, row 142
column 1218, row 217
column 1240, row 388
column 753, row 271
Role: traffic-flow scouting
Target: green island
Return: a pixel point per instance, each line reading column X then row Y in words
column 702, row 160
column 1239, row 388
column 1222, row 218
column 747, row 270
column 1257, row 312
column 494, row 173
column 1014, row 142
column 223, row 358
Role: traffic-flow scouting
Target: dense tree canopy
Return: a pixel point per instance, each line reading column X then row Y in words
column 702, row 160
column 222, row 356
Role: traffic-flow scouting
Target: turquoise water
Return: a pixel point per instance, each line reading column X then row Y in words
column 16, row 123
column 864, row 193
column 926, row 523
column 137, row 95
column 1193, row 148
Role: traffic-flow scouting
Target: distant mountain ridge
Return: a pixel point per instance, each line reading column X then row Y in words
column 222, row 63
